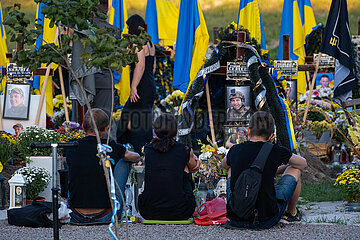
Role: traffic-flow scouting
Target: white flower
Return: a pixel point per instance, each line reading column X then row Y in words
column 222, row 150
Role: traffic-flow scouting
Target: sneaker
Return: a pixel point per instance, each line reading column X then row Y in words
column 289, row 218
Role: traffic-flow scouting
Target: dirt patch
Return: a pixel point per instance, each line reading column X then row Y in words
column 316, row 171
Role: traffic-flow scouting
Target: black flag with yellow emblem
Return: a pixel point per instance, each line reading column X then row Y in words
column 337, row 43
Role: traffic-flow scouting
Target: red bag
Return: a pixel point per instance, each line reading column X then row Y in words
column 212, row 212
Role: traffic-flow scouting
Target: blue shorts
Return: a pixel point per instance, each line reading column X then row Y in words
column 89, row 219
column 284, row 191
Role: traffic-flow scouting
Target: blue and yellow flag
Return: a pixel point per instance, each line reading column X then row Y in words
column 162, row 20
column 118, row 17
column 307, row 16
column 3, row 50
column 250, row 18
column 291, row 25
column 191, row 44
column 48, row 36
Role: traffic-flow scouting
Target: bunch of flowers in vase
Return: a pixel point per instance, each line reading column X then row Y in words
column 172, row 102
column 211, row 159
column 37, row 180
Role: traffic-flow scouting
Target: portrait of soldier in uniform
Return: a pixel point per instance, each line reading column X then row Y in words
column 235, row 135
column 238, row 111
column 17, row 102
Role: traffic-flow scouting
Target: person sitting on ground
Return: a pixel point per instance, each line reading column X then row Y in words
column 273, row 202
column 88, row 193
column 168, row 193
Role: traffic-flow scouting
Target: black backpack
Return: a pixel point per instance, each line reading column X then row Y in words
column 247, row 186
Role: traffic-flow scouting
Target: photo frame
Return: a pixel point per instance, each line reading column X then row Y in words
column 235, row 135
column 17, row 101
column 238, row 103
column 291, row 91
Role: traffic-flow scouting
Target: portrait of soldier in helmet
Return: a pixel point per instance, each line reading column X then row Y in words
column 237, row 111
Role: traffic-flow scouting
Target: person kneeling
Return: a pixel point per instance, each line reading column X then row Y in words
column 168, row 193
column 88, row 193
column 272, row 201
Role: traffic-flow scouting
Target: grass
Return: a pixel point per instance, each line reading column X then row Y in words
column 324, row 219
column 219, row 13
column 323, row 192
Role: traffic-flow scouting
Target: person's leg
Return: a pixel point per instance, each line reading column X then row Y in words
column 291, row 211
column 121, row 174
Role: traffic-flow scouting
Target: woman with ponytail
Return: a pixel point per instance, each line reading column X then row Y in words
column 168, row 193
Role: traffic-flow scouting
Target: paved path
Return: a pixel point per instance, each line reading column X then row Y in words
column 325, row 220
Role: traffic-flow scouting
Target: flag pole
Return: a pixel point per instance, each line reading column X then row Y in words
column 1, row 128
column 45, row 83
column 311, row 88
column 212, row 131
column 63, row 94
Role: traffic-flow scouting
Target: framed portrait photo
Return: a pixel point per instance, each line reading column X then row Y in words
column 238, row 103
column 17, row 101
column 235, row 135
column 291, row 91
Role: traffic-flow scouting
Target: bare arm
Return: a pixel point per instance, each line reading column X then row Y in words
column 138, row 73
column 132, row 156
column 224, row 164
column 297, row 161
column 194, row 162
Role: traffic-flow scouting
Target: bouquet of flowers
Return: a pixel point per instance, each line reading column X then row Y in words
column 172, row 102
column 211, row 157
column 35, row 134
column 59, row 111
column 37, row 180
column 349, row 183
column 70, row 131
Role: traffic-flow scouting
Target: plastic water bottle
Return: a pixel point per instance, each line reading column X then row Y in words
column 128, row 200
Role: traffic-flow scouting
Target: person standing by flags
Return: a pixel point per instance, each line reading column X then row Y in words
column 135, row 125
column 337, row 43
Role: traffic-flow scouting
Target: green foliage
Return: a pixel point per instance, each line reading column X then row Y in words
column 7, row 143
column 108, row 51
column 35, row 134
column 322, row 192
column 79, row 13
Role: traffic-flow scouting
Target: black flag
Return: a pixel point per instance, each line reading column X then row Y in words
column 337, row 43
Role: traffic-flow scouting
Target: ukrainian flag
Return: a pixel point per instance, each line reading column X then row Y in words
column 250, row 18
column 291, row 24
column 191, row 44
column 3, row 50
column 307, row 16
column 162, row 20
column 47, row 36
column 118, row 17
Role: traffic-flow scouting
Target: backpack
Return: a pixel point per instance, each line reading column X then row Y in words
column 247, row 186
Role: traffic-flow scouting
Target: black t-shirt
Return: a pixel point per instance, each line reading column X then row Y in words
column 164, row 190
column 240, row 157
column 87, row 184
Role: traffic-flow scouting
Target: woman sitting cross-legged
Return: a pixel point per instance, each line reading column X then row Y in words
column 168, row 193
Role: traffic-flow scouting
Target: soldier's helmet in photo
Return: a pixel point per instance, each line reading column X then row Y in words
column 236, row 94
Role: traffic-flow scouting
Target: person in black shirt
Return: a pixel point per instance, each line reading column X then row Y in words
column 88, row 193
column 273, row 202
column 168, row 193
